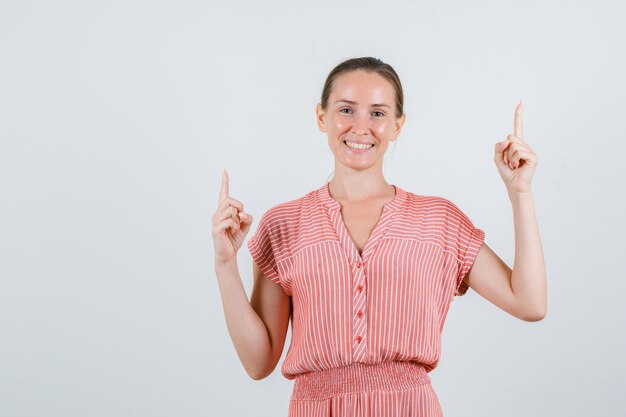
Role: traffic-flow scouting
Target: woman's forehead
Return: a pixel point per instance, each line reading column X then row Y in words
column 362, row 88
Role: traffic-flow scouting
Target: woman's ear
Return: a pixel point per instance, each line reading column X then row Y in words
column 319, row 116
column 398, row 126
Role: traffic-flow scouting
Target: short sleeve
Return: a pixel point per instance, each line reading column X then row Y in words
column 468, row 239
column 263, row 247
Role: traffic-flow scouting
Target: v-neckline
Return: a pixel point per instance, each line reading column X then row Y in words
column 384, row 221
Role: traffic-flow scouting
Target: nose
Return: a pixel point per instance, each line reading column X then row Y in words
column 361, row 123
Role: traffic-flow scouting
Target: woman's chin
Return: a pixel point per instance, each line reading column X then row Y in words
column 357, row 164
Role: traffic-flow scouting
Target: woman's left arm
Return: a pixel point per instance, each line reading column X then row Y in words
column 522, row 291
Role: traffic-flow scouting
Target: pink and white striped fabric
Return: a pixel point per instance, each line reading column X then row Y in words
column 366, row 328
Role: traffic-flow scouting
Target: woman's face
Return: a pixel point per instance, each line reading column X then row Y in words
column 360, row 109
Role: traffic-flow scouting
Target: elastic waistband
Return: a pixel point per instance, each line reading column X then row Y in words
column 359, row 377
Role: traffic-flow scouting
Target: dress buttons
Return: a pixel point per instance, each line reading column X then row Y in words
column 358, row 264
column 358, row 339
column 360, row 288
column 359, row 314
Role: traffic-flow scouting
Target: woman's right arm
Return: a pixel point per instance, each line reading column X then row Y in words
column 257, row 327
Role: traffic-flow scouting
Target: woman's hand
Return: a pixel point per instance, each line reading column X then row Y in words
column 515, row 159
column 230, row 225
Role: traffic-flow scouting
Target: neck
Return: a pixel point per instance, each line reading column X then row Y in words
column 359, row 185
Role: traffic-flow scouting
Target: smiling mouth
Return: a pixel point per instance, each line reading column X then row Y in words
column 358, row 146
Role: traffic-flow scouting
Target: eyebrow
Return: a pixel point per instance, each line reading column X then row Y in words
column 354, row 102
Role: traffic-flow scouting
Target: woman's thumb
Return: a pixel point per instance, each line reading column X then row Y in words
column 246, row 219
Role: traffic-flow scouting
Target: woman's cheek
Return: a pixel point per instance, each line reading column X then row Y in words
column 380, row 129
column 342, row 124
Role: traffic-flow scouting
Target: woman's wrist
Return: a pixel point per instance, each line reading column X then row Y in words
column 225, row 266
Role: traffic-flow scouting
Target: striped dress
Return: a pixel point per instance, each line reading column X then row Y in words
column 366, row 328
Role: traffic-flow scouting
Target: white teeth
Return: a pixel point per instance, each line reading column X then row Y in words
column 358, row 145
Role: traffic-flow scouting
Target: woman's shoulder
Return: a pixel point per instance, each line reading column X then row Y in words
column 290, row 209
column 427, row 200
column 435, row 206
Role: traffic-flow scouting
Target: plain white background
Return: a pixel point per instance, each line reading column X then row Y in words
column 117, row 118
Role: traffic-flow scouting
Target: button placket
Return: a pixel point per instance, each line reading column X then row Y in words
column 359, row 321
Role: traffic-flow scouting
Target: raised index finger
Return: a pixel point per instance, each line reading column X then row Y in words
column 517, row 123
column 224, row 187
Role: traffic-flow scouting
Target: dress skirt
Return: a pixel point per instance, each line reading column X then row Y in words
column 392, row 388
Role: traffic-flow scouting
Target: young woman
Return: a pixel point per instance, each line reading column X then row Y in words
column 366, row 270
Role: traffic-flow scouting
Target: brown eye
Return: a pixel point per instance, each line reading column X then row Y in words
column 381, row 113
column 345, row 108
